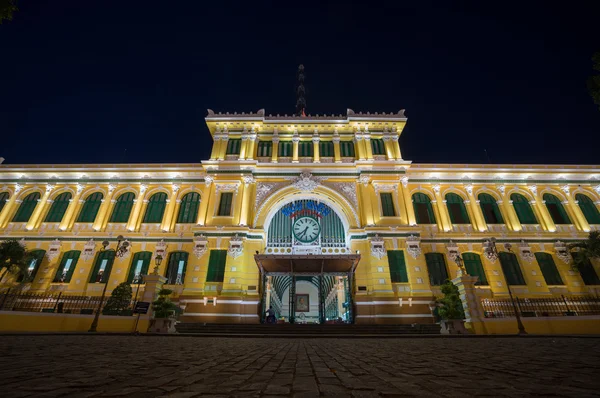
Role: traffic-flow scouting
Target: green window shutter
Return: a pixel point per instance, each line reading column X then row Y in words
column 216, row 266
column 35, row 260
column 347, row 149
column 523, row 209
column 397, row 265
column 474, row 267
column 139, row 266
column 587, row 272
column 387, row 204
column 233, row 146
column 90, row 208
column 58, row 208
column 549, row 270
column 123, row 207
column 588, row 208
column 4, row 196
column 378, row 147
column 490, row 209
column 102, row 266
column 423, row 210
column 265, row 148
column 556, row 209
column 512, row 270
column 436, row 265
column 67, row 266
column 225, row 204
column 176, row 268
column 326, row 149
column 188, row 209
column 27, row 207
column 457, row 209
column 305, row 149
column 156, row 208
column 285, row 149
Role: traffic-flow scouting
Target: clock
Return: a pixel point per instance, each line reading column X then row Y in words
column 306, row 229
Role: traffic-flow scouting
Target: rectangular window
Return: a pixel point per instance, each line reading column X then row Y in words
column 549, row 269
column 326, row 149
column 305, row 149
column 286, row 149
column 137, row 273
column 436, row 265
column 378, row 147
column 216, row 266
column 347, row 149
column 225, row 204
column 265, row 148
column 397, row 266
column 512, row 270
column 387, row 205
column 100, row 277
column 234, row 146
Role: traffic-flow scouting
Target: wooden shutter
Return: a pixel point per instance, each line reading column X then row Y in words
column 457, row 209
column 549, row 269
column 225, row 204
column 474, row 267
column 556, row 209
column 123, row 207
column 387, row 204
column 489, row 207
column 511, row 268
column 588, row 208
column 436, row 265
column 523, row 209
column 397, row 265
column 58, row 208
column 90, row 208
column 156, row 208
column 26, row 208
column 216, row 266
column 423, row 210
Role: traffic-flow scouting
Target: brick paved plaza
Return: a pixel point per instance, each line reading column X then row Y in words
column 103, row 366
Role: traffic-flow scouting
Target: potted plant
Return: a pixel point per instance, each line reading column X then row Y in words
column 119, row 301
column 165, row 312
column 450, row 310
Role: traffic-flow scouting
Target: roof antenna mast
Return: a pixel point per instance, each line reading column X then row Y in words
column 300, row 93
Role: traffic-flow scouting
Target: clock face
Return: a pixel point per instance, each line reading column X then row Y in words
column 306, row 229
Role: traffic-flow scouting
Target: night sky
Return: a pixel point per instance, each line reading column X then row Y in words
column 83, row 81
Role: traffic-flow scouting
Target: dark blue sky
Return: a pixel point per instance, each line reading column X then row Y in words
column 84, row 80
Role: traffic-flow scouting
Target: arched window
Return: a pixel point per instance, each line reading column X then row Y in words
column 102, row 266
column 27, row 207
column 188, row 210
column 457, row 209
column 512, row 270
column 139, row 266
column 3, row 199
column 548, row 267
column 176, row 267
column 436, row 265
column 156, row 208
column 474, row 267
column 36, row 258
column 423, row 210
column 588, row 208
column 59, row 207
column 556, row 209
column 67, row 266
column 523, row 209
column 489, row 207
column 397, row 266
column 123, row 207
column 90, row 208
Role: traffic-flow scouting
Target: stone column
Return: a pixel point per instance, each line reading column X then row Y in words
column 76, row 210
column 223, row 147
column 368, row 216
column 42, row 203
column 368, row 149
column 410, row 210
column 295, row 141
column 153, row 284
column 479, row 221
column 107, row 215
column 341, row 295
column 337, row 153
column 509, row 213
column 251, row 145
column 138, row 222
column 395, row 144
column 389, row 149
column 275, row 148
column 73, row 203
column 358, row 142
column 103, row 211
column 170, row 210
column 9, row 206
column 214, row 154
column 541, row 211
column 204, row 200
column 137, row 207
column 249, row 182
column 316, row 140
column 471, row 304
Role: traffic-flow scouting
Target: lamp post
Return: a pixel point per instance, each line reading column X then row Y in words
column 120, row 251
column 492, row 251
column 157, row 261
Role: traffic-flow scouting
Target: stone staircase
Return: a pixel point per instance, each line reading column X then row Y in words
column 287, row 330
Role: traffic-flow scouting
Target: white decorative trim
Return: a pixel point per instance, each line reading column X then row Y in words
column 378, row 247
column 200, row 245
column 346, row 189
column 248, row 179
column 490, row 254
column 533, row 189
column 89, row 250
column 208, row 180
column 525, row 251
column 53, row 250
column 413, row 246
column 236, row 246
column 560, row 248
column 227, row 187
column 161, row 249
column 306, row 182
column 404, row 180
column 453, row 251
column 385, row 187
column 364, row 179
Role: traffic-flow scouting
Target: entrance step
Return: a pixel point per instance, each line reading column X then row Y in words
column 303, row 330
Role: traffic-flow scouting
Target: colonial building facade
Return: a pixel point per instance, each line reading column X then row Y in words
column 318, row 217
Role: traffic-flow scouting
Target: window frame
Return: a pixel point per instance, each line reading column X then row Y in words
column 385, row 207
column 217, row 264
column 438, row 261
column 557, row 211
column 91, row 207
column 188, row 208
column 523, row 209
column 123, row 208
column 234, row 146
column 173, row 266
column 220, row 209
column 493, row 208
column 155, row 207
column 511, row 263
column 417, row 205
column 145, row 257
column 457, row 209
column 108, row 255
column 72, row 255
column 397, row 266
column 59, row 207
column 27, row 207
column 549, row 269
column 377, row 146
column 474, row 267
column 588, row 208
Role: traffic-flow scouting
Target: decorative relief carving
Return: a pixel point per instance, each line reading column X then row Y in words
column 235, row 246
column 489, row 250
column 208, row 180
column 306, row 182
column 161, row 249
column 502, row 189
column 413, row 246
column 385, row 187
column 562, row 252
column 436, row 188
column 263, row 189
column 378, row 247
column 404, row 181
column 53, row 250
column 533, row 189
column 347, row 190
column 227, row 187
column 453, row 251
column 525, row 251
column 469, row 189
column 200, row 245
column 566, row 189
column 364, row 179
column 249, row 179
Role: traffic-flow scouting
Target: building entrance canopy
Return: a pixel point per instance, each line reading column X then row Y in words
column 274, row 264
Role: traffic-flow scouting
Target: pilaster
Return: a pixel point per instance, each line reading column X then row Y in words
column 170, row 211
column 245, row 215
column 316, row 152
column 39, row 208
column 295, row 141
column 575, row 211
column 368, row 148
column 337, row 153
column 102, row 213
column 478, row 219
column 410, row 210
column 66, row 221
column 275, row 149
column 131, row 224
column 9, row 206
column 205, row 200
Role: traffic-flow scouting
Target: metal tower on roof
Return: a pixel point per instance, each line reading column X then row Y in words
column 300, row 93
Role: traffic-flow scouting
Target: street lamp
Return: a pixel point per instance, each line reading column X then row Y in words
column 461, row 265
column 157, row 261
column 120, row 251
column 492, row 252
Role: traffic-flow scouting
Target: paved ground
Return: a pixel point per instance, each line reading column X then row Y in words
column 103, row 366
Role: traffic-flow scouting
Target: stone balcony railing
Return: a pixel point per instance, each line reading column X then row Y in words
column 348, row 159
